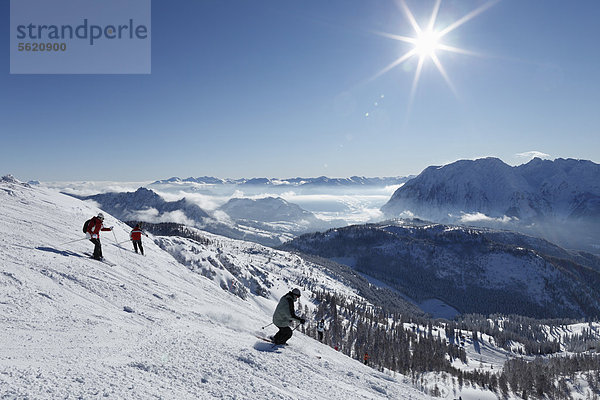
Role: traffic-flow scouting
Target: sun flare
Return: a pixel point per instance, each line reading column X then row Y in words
column 427, row 42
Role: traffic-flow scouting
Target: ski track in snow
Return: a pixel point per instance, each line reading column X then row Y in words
column 145, row 328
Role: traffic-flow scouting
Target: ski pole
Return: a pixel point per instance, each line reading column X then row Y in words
column 266, row 326
column 73, row 241
column 119, row 247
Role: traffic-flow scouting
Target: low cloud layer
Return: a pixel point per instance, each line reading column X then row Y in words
column 152, row 215
column 467, row 218
column 354, row 205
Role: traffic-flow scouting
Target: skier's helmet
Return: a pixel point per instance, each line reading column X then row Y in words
column 101, row 216
column 296, row 292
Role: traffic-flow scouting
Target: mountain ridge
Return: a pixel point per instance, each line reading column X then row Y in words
column 558, row 200
column 269, row 221
column 475, row 270
column 318, row 181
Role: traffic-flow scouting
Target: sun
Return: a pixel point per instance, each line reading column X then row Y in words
column 427, row 42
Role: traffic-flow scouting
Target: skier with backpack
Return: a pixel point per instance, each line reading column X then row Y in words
column 92, row 228
column 283, row 315
column 136, row 238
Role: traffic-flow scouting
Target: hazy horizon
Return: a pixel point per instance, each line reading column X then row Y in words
column 520, row 159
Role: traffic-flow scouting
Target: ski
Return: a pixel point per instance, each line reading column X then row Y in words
column 104, row 260
column 270, row 341
column 264, row 339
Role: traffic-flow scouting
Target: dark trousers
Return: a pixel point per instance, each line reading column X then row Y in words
column 136, row 244
column 97, row 248
column 320, row 336
column 283, row 335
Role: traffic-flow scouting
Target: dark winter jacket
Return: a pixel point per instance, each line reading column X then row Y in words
column 320, row 326
column 285, row 311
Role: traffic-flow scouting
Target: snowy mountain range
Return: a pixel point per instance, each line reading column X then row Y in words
column 473, row 270
column 133, row 205
column 269, row 221
column 273, row 213
column 180, row 323
column 267, row 209
column 294, row 182
column 558, row 200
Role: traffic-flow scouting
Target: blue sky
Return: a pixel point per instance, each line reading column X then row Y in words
column 281, row 89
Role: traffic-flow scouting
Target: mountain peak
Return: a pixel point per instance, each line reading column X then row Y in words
column 266, row 209
column 9, row 179
column 562, row 194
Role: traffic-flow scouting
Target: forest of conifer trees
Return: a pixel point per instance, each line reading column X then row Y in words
column 413, row 345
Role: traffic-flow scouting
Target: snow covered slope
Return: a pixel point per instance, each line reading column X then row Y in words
column 148, row 327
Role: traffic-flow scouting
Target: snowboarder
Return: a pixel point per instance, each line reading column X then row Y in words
column 321, row 329
column 94, row 227
column 366, row 358
column 136, row 238
column 283, row 315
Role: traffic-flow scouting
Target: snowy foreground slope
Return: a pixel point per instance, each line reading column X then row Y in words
column 147, row 328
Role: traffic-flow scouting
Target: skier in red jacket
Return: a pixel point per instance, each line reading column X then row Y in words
column 93, row 232
column 136, row 238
